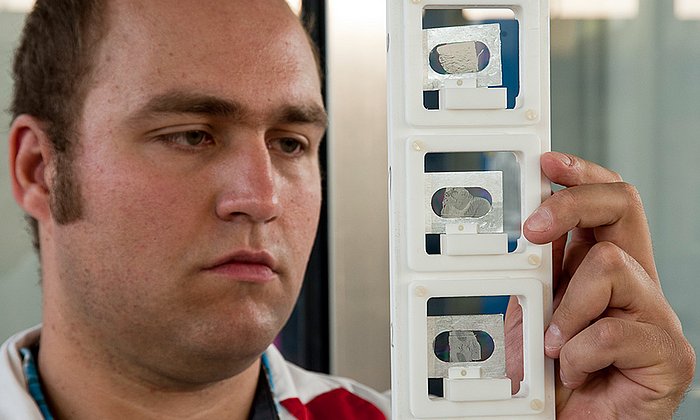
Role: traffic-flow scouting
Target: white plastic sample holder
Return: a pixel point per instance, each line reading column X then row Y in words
column 471, row 214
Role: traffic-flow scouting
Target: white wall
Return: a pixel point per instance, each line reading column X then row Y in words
column 358, row 198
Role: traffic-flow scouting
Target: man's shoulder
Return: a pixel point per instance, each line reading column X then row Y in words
column 15, row 401
column 309, row 395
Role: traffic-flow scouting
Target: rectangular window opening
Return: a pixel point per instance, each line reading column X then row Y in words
column 479, row 189
column 481, row 334
column 471, row 58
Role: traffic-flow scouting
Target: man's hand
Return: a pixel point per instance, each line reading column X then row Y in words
column 620, row 347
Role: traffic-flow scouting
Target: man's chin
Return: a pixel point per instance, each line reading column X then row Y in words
column 211, row 358
column 209, row 344
column 236, row 338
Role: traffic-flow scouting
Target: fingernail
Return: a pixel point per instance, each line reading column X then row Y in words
column 540, row 220
column 565, row 159
column 553, row 339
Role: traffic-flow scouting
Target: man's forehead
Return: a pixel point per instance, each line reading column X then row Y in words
column 245, row 71
column 219, row 14
column 261, row 28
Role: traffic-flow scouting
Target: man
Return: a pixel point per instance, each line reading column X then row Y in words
column 171, row 164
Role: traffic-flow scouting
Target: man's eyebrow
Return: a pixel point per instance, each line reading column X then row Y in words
column 190, row 103
column 209, row 105
column 306, row 114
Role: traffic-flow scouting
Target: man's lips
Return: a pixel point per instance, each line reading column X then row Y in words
column 247, row 265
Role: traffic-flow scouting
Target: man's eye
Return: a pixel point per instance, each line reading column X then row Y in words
column 189, row 138
column 289, row 146
column 195, row 138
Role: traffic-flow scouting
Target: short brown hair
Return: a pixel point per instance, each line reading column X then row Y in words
column 52, row 68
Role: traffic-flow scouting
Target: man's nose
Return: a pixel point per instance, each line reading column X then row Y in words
column 250, row 185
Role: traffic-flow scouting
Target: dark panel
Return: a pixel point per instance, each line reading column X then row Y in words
column 305, row 339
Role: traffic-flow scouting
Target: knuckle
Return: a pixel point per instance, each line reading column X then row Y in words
column 687, row 361
column 607, row 332
column 631, row 193
column 565, row 198
column 681, row 360
column 615, row 176
column 609, row 256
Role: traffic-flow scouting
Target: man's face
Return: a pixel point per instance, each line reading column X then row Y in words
column 198, row 170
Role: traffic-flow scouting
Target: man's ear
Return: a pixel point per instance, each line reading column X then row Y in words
column 30, row 160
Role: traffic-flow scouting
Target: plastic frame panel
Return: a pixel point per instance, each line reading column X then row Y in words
column 529, row 105
column 530, row 399
column 526, row 149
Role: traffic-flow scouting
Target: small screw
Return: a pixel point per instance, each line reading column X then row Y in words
column 421, row 291
column 534, row 260
column 464, row 372
column 531, row 115
column 460, row 83
column 417, row 146
column 461, row 228
column 537, row 405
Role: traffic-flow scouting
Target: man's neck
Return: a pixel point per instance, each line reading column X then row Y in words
column 85, row 385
